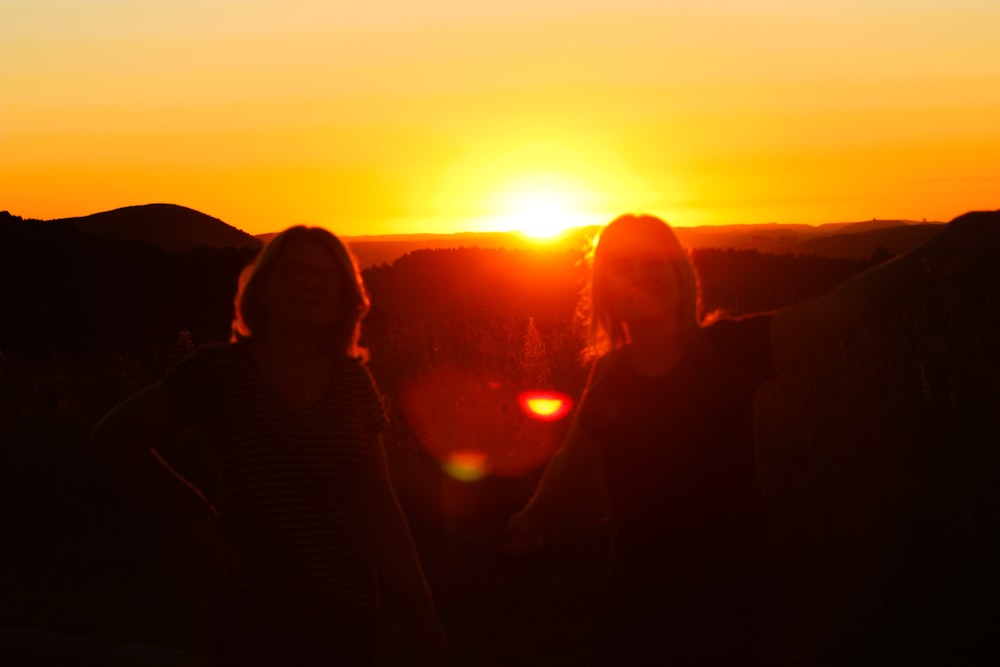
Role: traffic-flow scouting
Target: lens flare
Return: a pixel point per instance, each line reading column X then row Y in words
column 465, row 466
column 547, row 406
column 477, row 424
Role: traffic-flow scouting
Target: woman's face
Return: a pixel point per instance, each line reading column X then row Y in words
column 305, row 286
column 640, row 280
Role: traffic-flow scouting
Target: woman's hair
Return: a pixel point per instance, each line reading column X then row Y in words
column 251, row 314
column 605, row 330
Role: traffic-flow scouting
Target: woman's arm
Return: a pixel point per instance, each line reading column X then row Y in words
column 802, row 330
column 127, row 440
column 572, row 485
column 396, row 556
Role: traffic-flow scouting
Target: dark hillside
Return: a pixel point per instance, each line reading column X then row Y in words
column 64, row 292
column 168, row 227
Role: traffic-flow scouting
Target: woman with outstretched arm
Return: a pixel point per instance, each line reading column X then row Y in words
column 665, row 433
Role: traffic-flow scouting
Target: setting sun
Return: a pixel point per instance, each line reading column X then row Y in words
column 543, row 205
column 542, row 216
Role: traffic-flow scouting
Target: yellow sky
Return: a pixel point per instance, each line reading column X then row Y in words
column 390, row 116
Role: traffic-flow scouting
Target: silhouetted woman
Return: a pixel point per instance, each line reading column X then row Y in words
column 666, row 430
column 306, row 516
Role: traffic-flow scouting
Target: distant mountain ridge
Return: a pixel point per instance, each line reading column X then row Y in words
column 839, row 239
column 856, row 240
column 864, row 241
column 169, row 227
column 175, row 228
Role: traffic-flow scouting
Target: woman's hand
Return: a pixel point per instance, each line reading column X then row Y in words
column 216, row 557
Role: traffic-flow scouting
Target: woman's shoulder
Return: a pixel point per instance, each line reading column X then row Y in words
column 214, row 358
column 727, row 330
column 612, row 362
column 199, row 379
column 742, row 341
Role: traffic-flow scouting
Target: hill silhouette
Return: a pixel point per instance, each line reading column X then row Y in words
column 834, row 239
column 859, row 244
column 174, row 228
column 170, row 227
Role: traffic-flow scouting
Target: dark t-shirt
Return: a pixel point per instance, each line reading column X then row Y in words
column 290, row 487
column 691, row 536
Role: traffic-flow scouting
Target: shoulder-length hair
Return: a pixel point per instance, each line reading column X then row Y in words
column 606, row 331
column 250, row 314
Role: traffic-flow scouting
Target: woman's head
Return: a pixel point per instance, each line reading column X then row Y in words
column 303, row 277
column 640, row 274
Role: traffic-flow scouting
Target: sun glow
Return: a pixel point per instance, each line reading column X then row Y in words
column 542, row 215
column 540, row 205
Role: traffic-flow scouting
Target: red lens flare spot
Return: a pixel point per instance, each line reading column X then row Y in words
column 476, row 424
column 465, row 466
column 547, row 406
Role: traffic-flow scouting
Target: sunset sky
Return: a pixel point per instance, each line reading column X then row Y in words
column 392, row 116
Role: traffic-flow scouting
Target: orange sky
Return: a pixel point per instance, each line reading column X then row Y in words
column 390, row 116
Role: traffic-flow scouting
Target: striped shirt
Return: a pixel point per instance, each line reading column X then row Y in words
column 290, row 487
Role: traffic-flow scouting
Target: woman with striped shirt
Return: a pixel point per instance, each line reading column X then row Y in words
column 306, row 523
